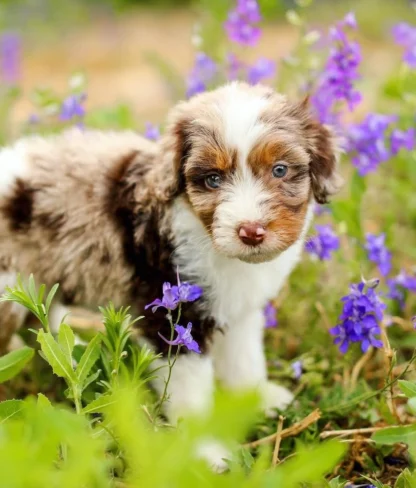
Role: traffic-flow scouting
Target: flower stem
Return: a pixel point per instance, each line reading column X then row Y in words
column 170, row 362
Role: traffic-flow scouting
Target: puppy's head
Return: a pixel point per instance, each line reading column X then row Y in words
column 249, row 162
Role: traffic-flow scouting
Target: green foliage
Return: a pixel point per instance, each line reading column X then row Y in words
column 12, row 363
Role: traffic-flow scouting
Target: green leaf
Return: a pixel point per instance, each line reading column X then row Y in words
column 50, row 296
column 55, row 356
column 13, row 362
column 393, row 435
column 100, row 404
column 408, row 388
column 412, row 405
column 43, row 401
column 9, row 409
column 66, row 338
column 310, row 465
column 88, row 359
column 406, row 479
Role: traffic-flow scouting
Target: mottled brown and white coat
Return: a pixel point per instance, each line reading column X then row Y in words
column 226, row 197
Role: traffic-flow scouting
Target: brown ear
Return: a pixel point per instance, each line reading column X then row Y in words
column 324, row 151
column 175, row 146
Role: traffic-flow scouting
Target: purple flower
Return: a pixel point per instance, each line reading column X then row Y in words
column 10, row 53
column 235, row 68
column 241, row 24
column 184, row 338
column 322, row 244
column 362, row 310
column 202, row 73
column 405, row 35
column 337, row 82
column 399, row 284
column 402, row 139
column 321, row 209
column 366, row 142
column 170, row 298
column 378, row 253
column 262, row 69
column 173, row 295
column 152, row 131
column 270, row 316
column 72, row 107
column 297, row 369
column 188, row 292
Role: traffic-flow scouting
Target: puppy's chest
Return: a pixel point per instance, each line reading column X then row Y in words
column 232, row 288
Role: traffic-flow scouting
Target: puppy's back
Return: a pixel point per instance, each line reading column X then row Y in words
column 55, row 204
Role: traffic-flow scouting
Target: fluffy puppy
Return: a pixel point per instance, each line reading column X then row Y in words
column 226, row 197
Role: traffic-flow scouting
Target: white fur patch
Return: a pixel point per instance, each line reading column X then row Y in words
column 191, row 385
column 13, row 165
column 240, row 113
column 215, row 454
column 238, row 353
column 234, row 289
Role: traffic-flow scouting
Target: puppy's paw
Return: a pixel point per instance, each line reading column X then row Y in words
column 215, row 454
column 275, row 396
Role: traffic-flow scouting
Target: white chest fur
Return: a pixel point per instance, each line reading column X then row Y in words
column 232, row 288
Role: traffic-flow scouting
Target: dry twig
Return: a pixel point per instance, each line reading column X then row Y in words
column 293, row 430
column 359, row 366
column 332, row 433
column 275, row 458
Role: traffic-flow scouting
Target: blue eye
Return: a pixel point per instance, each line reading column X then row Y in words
column 279, row 170
column 213, row 181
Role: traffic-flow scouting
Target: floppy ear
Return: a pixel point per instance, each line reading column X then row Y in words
column 324, row 151
column 175, row 147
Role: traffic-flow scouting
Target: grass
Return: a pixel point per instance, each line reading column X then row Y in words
column 351, row 397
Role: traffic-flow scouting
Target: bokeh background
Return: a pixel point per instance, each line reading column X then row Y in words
column 125, row 47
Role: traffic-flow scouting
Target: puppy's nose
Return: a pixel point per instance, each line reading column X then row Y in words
column 252, row 233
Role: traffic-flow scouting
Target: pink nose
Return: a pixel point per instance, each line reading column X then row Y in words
column 252, row 233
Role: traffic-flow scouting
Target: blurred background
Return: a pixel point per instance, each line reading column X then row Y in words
column 125, row 48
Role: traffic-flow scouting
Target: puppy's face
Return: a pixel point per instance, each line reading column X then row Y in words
column 249, row 163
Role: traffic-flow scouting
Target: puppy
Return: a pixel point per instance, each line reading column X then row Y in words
column 226, row 198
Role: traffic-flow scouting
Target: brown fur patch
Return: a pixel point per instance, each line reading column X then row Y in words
column 324, row 177
column 210, row 159
column 18, row 209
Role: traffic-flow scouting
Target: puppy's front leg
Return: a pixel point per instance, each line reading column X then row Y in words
column 191, row 385
column 240, row 363
column 190, row 391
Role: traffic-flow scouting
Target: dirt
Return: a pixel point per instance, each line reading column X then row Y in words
column 112, row 52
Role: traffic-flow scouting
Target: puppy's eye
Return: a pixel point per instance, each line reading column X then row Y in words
column 213, row 181
column 279, row 170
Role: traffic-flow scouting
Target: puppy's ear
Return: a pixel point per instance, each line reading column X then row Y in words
column 176, row 146
column 324, row 149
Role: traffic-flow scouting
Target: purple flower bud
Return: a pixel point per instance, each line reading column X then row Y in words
column 366, row 142
column 323, row 243
column 152, row 131
column 378, row 253
column 173, row 295
column 72, row 107
column 184, row 338
column 262, row 69
column 359, row 321
column 10, row 54
column 202, row 73
column 337, row 81
column 402, row 139
column 270, row 316
column 405, row 35
column 241, row 24
column 297, row 369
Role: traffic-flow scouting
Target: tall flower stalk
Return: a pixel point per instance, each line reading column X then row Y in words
column 173, row 297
